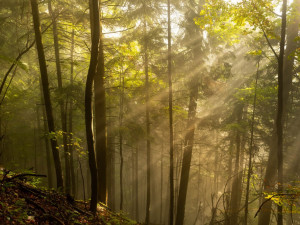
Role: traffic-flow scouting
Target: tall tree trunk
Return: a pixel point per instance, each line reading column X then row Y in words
column 216, row 169
column 289, row 72
column 100, row 118
column 235, row 190
column 289, row 56
column 110, row 169
column 63, row 115
column 251, row 148
column 45, row 85
column 187, row 155
column 110, row 160
column 171, row 142
column 137, row 183
column 146, row 65
column 269, row 182
column 228, row 188
column 48, row 155
column 132, row 184
column 121, row 140
column 161, row 183
column 46, row 140
column 39, row 144
column 95, row 35
column 70, row 117
column 279, row 125
column 196, row 47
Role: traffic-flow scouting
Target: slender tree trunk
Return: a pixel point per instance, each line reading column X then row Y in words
column 289, row 56
column 45, row 85
column 95, row 28
column 35, row 150
column 187, row 155
column 161, row 183
column 235, row 191
column 121, row 140
column 171, row 143
column 48, row 155
column 216, row 169
column 279, row 125
column 251, row 148
column 137, row 183
column 289, row 72
column 70, row 117
column 133, row 169
column 100, row 118
column 269, row 182
column 110, row 160
column 146, row 65
column 63, row 114
column 196, row 48
column 228, row 182
column 111, row 169
column 38, row 117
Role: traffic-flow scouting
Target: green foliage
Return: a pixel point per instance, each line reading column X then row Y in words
column 228, row 21
column 118, row 219
column 288, row 200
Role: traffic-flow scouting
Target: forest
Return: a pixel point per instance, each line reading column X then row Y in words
column 161, row 111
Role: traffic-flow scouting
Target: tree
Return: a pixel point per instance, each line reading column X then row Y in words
column 45, row 85
column 100, row 117
column 196, row 50
column 251, row 146
column 95, row 36
column 63, row 115
column 279, row 119
column 146, row 68
column 171, row 212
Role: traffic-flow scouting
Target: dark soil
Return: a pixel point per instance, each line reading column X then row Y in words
column 22, row 203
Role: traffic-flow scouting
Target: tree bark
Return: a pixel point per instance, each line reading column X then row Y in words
column 110, row 160
column 95, row 35
column 171, row 141
column 63, row 115
column 289, row 57
column 269, row 180
column 121, row 141
column 161, row 183
column 45, row 85
column 187, row 155
column 289, row 72
column 251, row 148
column 146, row 68
column 236, row 189
column 70, row 117
column 137, row 183
column 48, row 156
column 100, row 119
column 279, row 124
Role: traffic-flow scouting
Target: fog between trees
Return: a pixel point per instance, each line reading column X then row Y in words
column 173, row 112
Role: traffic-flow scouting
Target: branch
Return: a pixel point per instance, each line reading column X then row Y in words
column 260, row 207
column 25, row 175
column 269, row 43
column 265, row 35
column 14, row 63
column 8, row 85
column 118, row 31
column 18, row 59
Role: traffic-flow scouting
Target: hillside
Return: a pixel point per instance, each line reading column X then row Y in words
column 23, row 203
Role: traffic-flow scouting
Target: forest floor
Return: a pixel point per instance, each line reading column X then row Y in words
column 23, row 203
